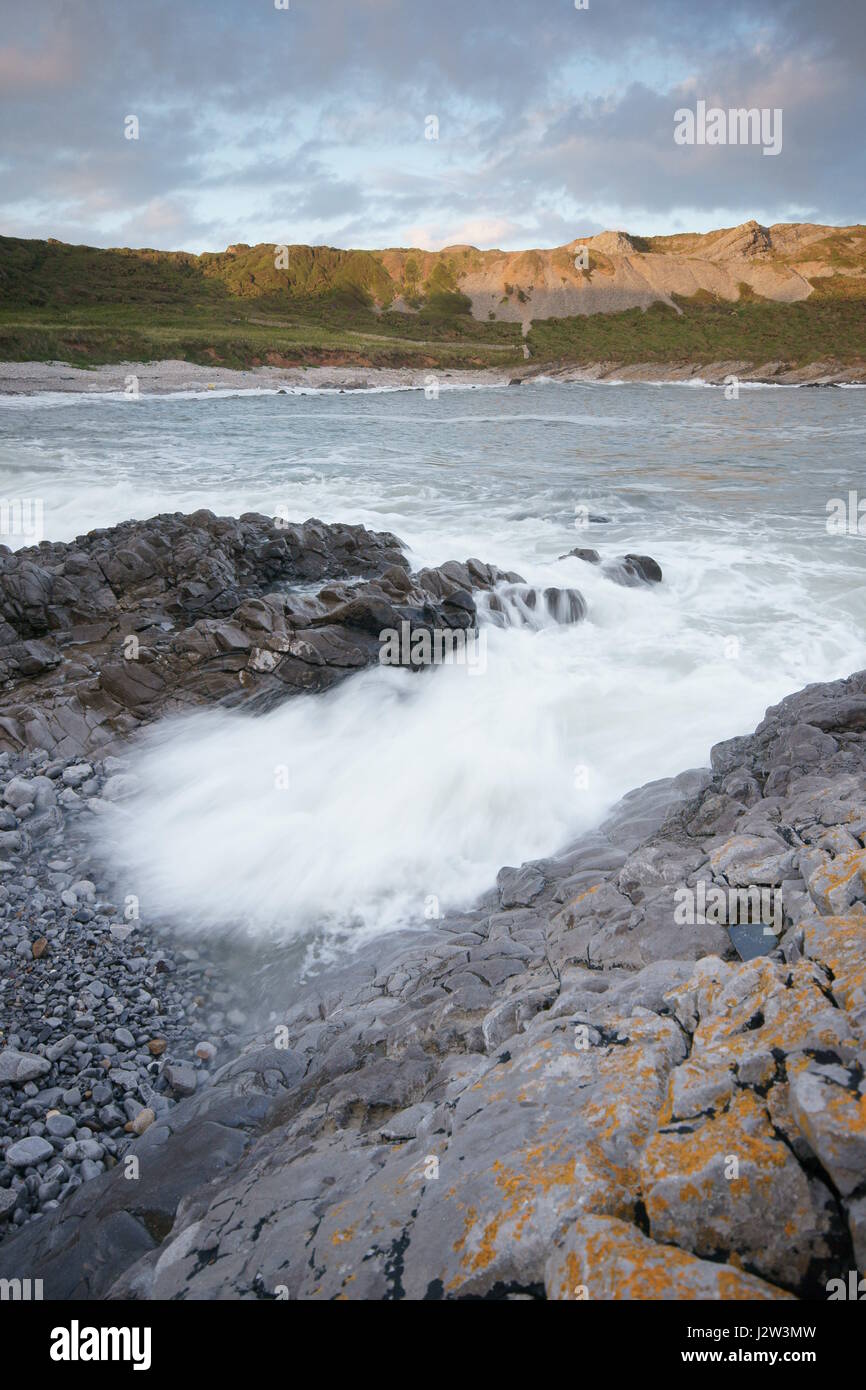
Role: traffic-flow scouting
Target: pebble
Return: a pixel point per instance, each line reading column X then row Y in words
column 8, row 1198
column 60, row 1126
column 83, row 1029
column 57, row 1050
column 21, row 1066
column 181, row 1078
column 26, row 1153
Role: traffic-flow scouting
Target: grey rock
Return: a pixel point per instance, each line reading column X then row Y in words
column 21, row 1067
column 181, row 1078
column 61, row 1047
column 60, row 1126
column 27, row 1153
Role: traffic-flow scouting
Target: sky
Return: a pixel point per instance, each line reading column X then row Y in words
column 310, row 124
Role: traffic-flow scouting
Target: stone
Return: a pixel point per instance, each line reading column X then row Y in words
column 142, row 1121
column 519, row 887
column 8, row 1202
column 561, row 1078
column 181, row 1078
column 120, row 787
column 836, row 884
column 60, row 1126
column 75, row 776
column 744, row 860
column 59, row 1049
column 602, row 1257
column 831, row 1114
column 21, row 1067
column 27, row 1153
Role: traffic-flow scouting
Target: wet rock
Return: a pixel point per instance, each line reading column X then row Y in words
column 180, row 611
column 486, row 1108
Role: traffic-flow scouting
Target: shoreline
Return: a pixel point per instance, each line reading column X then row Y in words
column 498, row 1090
column 172, row 376
column 570, row 1055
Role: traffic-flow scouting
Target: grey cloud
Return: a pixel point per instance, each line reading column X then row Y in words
column 305, row 116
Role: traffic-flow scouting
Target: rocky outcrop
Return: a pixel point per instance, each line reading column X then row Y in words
column 630, row 570
column 150, row 618
column 123, row 626
column 576, row 1090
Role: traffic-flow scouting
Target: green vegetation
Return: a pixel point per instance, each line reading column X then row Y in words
column 236, row 309
column 250, row 306
column 753, row 330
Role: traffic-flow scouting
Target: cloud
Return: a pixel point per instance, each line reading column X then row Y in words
column 309, row 123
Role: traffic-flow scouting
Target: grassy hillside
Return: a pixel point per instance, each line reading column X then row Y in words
column 320, row 305
column 825, row 327
column 87, row 306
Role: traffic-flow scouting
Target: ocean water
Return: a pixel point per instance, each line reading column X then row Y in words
column 400, row 796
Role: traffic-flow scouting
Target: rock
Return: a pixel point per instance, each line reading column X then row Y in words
column 601, row 1257
column 39, row 947
column 831, row 1114
column 211, row 602
column 8, row 1202
column 561, row 1078
column 21, row 1067
column 181, row 1078
column 60, row 1048
column 75, row 776
column 142, row 1121
column 519, row 887
column 728, row 1183
column 744, row 860
column 836, row 884
column 17, row 792
column 585, row 553
column 60, row 1126
column 633, row 570
column 27, row 1153
column 120, row 787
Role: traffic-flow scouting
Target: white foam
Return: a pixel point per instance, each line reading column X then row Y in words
column 404, row 789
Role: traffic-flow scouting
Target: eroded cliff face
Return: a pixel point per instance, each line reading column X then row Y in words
column 613, row 271
column 610, row 271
